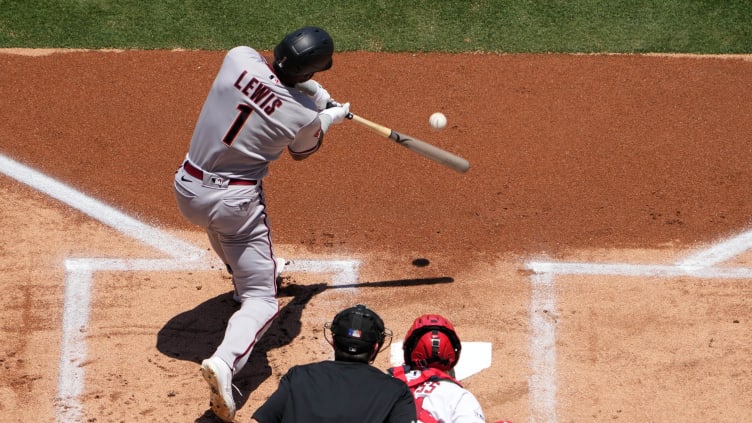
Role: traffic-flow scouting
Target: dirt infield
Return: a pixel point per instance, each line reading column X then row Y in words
column 599, row 242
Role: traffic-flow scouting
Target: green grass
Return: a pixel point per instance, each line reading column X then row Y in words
column 688, row 26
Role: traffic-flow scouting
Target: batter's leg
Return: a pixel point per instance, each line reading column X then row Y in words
column 243, row 233
column 245, row 327
column 217, row 247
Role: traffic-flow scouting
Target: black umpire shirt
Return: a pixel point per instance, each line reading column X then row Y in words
column 338, row 392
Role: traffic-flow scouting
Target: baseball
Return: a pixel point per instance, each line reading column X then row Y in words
column 437, row 121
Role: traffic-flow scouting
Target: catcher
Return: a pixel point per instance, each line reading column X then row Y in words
column 431, row 350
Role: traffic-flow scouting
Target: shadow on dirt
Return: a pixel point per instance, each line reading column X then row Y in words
column 195, row 334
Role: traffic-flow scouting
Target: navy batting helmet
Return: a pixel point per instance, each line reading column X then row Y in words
column 302, row 53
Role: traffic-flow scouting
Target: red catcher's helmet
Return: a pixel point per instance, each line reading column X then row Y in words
column 432, row 342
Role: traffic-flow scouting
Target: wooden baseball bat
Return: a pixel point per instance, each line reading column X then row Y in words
column 421, row 147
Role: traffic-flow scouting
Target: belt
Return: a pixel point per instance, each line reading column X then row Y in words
column 199, row 174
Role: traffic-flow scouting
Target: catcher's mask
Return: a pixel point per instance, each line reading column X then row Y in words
column 357, row 329
column 432, row 342
column 302, row 53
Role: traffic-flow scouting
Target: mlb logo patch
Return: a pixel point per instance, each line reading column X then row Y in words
column 354, row 333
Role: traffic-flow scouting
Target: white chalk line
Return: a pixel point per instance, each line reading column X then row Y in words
column 98, row 210
column 345, row 271
column 542, row 382
column 79, row 275
column 720, row 252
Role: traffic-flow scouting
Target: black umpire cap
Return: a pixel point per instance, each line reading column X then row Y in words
column 357, row 329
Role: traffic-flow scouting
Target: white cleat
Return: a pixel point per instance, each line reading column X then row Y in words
column 281, row 263
column 219, row 377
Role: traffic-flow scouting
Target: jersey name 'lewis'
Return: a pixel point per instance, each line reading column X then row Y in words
column 261, row 95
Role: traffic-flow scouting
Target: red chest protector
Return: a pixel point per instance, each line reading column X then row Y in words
column 427, row 375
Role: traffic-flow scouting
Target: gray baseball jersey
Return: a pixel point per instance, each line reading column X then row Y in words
column 249, row 118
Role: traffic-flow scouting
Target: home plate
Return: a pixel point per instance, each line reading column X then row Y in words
column 475, row 356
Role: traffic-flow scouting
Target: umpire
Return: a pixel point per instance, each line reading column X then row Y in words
column 348, row 389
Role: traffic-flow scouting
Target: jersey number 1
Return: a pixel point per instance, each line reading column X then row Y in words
column 244, row 112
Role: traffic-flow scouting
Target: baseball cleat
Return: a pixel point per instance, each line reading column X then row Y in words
column 219, row 377
column 281, row 263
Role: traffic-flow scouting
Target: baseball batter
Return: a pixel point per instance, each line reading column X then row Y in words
column 252, row 114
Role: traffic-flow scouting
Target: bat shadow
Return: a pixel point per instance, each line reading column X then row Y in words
column 194, row 335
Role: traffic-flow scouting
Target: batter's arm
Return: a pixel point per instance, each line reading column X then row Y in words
column 307, row 141
column 304, row 155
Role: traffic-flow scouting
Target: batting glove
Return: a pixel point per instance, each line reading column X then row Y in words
column 337, row 113
column 333, row 115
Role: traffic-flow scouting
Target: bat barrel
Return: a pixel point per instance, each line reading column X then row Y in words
column 432, row 152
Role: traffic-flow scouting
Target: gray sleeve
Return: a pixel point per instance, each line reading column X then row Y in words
column 307, row 140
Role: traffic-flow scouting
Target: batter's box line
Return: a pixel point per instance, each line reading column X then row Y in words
column 635, row 270
column 542, row 306
column 345, row 272
column 77, row 305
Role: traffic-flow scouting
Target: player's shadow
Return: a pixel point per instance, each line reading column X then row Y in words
column 195, row 334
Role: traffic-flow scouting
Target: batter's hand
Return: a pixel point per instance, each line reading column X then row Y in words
column 338, row 113
column 333, row 103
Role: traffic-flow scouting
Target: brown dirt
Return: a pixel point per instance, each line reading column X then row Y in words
column 592, row 157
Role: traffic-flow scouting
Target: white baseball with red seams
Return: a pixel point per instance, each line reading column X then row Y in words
column 437, row 121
